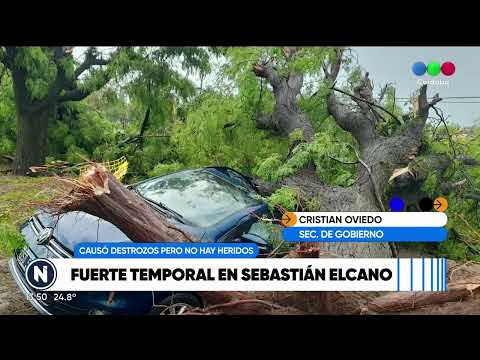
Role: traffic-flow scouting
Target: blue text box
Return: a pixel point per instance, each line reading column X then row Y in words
column 365, row 234
column 165, row 250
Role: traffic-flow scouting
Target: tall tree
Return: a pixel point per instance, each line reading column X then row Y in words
column 379, row 157
column 45, row 77
column 286, row 116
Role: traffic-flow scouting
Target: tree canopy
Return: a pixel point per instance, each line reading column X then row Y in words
column 299, row 121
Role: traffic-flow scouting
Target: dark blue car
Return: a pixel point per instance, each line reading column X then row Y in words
column 214, row 204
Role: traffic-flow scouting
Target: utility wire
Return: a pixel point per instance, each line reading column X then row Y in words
column 448, row 97
column 460, row 102
column 450, row 102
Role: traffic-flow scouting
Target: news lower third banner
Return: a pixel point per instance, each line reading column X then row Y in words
column 165, row 250
column 364, row 226
column 365, row 219
column 336, row 274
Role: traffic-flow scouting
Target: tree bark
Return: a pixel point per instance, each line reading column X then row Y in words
column 31, row 147
column 32, row 126
column 98, row 193
column 396, row 302
column 286, row 116
column 378, row 156
column 33, row 115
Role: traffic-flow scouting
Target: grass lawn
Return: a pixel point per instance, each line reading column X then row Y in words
column 19, row 197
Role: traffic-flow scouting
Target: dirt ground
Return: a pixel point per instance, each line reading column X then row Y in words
column 12, row 301
column 470, row 306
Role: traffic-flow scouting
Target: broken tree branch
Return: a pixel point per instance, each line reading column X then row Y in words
column 472, row 196
column 396, row 302
column 267, row 72
column 467, row 160
column 447, row 187
column 91, row 59
column 369, row 103
column 331, row 70
column 376, row 192
column 344, row 162
column 99, row 193
column 383, row 92
column 421, row 107
column 442, row 119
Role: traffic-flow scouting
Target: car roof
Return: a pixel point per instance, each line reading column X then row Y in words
column 217, row 230
column 216, row 170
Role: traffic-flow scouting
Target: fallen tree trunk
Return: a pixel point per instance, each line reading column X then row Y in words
column 379, row 156
column 98, row 193
column 397, row 302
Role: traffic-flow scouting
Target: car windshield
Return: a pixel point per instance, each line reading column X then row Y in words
column 202, row 198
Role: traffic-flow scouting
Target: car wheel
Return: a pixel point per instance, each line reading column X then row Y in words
column 176, row 304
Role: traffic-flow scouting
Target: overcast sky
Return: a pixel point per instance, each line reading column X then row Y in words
column 393, row 64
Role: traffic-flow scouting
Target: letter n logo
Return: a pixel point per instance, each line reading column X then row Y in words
column 41, row 274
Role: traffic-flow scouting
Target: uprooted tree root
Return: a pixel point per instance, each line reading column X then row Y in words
column 98, row 193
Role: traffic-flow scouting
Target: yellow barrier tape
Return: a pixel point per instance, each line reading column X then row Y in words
column 117, row 167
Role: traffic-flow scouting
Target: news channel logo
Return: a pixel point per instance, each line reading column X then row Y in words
column 433, row 68
column 41, row 274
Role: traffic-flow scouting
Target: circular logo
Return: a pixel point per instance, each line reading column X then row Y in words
column 41, row 274
column 396, row 204
column 289, row 219
column 419, row 68
column 440, row 204
column 425, row 204
column 433, row 69
column 448, row 68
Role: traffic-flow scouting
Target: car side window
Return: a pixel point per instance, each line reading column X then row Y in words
column 267, row 231
column 238, row 231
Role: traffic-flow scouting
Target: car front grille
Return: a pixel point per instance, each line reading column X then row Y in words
column 53, row 246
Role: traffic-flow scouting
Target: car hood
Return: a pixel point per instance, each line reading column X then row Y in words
column 77, row 227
